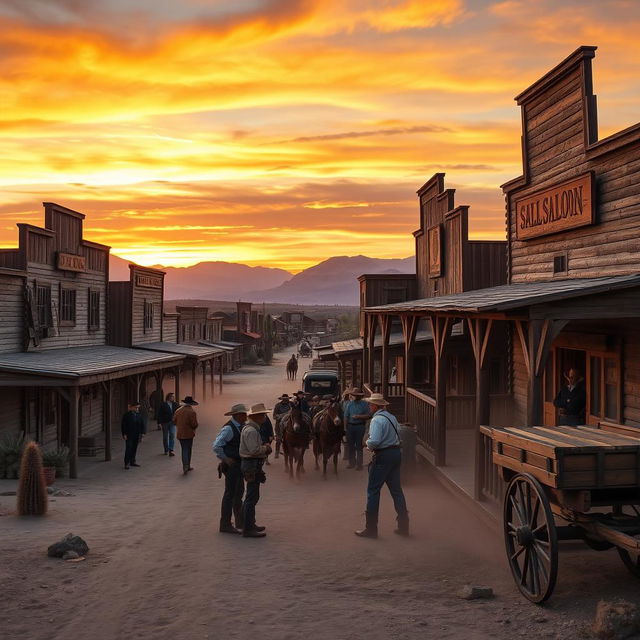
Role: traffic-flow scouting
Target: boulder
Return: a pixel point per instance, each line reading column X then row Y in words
column 70, row 555
column 68, row 543
column 616, row 620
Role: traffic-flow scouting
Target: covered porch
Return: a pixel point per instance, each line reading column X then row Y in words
column 547, row 326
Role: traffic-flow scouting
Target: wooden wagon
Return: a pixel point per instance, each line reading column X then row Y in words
column 566, row 483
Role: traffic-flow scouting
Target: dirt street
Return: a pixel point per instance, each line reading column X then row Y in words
column 159, row 569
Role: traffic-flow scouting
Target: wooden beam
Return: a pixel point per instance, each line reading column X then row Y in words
column 194, row 364
column 212, row 365
column 177, row 374
column 107, row 421
column 372, row 322
column 409, row 325
column 385, row 331
column 441, row 330
column 74, row 408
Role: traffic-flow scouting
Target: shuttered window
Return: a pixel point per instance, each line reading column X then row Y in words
column 67, row 307
column 94, row 309
column 43, row 306
column 148, row 316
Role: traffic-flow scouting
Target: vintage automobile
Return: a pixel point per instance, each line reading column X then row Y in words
column 320, row 382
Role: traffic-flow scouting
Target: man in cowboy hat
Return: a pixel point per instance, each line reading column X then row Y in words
column 356, row 414
column 384, row 441
column 227, row 447
column 279, row 411
column 186, row 422
column 253, row 453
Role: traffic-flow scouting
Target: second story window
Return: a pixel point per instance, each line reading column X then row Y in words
column 148, row 316
column 43, row 306
column 67, row 307
column 94, row 309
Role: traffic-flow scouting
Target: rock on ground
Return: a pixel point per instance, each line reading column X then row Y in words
column 68, row 543
column 616, row 620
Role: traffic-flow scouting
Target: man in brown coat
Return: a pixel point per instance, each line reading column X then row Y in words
column 186, row 422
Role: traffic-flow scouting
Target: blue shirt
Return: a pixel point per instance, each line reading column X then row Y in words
column 354, row 408
column 381, row 431
column 225, row 435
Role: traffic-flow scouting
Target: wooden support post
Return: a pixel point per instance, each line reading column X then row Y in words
column 193, row 378
column 212, row 365
column 74, row 408
column 441, row 329
column 372, row 322
column 177, row 373
column 480, row 332
column 107, row 420
column 536, row 344
column 385, row 331
column 204, row 379
column 220, row 373
column 409, row 330
column 364, row 360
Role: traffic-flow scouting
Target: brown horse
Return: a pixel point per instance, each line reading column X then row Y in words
column 328, row 430
column 292, row 368
column 296, row 434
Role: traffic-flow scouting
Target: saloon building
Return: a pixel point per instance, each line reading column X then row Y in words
column 572, row 292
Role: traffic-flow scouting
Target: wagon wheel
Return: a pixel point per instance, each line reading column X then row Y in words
column 530, row 538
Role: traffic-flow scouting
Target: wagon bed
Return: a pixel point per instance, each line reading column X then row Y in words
column 560, row 473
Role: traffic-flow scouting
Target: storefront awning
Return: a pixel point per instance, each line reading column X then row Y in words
column 189, row 351
column 74, row 363
column 512, row 296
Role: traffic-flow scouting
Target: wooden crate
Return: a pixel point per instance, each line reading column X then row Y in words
column 569, row 457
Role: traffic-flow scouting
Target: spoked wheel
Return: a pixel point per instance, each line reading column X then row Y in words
column 530, row 538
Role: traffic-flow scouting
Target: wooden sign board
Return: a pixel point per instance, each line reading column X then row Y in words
column 148, row 280
column 70, row 262
column 434, row 238
column 566, row 206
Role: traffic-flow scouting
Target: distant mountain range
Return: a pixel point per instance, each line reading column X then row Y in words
column 331, row 282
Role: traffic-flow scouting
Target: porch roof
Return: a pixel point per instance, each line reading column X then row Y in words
column 513, row 296
column 424, row 335
column 80, row 362
column 217, row 345
column 190, row 351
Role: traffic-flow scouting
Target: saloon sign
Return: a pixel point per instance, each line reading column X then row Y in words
column 560, row 208
column 148, row 280
column 71, row 262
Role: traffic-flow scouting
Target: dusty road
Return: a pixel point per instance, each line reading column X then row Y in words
column 159, row 569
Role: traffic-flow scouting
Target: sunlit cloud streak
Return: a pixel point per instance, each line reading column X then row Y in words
column 280, row 132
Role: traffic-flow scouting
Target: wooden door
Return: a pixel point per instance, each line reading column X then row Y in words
column 550, row 417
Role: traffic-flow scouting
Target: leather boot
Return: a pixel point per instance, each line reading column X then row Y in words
column 403, row 525
column 371, row 527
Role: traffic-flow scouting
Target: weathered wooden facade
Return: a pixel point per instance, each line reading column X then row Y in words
column 60, row 381
column 572, row 298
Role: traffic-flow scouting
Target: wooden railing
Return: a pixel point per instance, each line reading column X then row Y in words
column 492, row 486
column 421, row 412
column 394, row 389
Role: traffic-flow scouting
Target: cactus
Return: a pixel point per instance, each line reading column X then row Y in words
column 32, row 489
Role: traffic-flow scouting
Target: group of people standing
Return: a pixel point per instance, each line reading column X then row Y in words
column 177, row 421
column 243, row 446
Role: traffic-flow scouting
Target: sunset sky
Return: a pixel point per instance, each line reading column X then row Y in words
column 281, row 132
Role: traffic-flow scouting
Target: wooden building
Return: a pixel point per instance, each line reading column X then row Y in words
column 572, row 298
column 60, row 382
column 136, row 320
column 446, row 260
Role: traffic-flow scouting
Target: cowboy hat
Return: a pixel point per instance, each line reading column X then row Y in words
column 354, row 391
column 189, row 400
column 134, row 403
column 377, row 399
column 284, row 396
column 257, row 409
column 237, row 408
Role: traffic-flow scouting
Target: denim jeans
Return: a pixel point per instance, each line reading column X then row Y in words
column 355, row 435
column 385, row 469
column 232, row 498
column 186, row 444
column 130, row 449
column 251, row 497
column 168, row 436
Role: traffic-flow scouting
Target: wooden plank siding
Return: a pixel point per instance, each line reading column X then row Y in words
column 559, row 124
column 13, row 310
column 141, row 294
column 119, row 314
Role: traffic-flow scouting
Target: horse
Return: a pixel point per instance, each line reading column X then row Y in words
column 292, row 368
column 296, row 434
column 329, row 430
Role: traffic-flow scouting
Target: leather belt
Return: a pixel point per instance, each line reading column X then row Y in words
column 393, row 446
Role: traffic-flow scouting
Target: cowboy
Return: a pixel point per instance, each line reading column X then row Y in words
column 186, row 422
column 166, row 410
column 301, row 401
column 279, row 411
column 253, row 454
column 572, row 400
column 227, row 447
column 356, row 414
column 384, row 442
column 133, row 431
